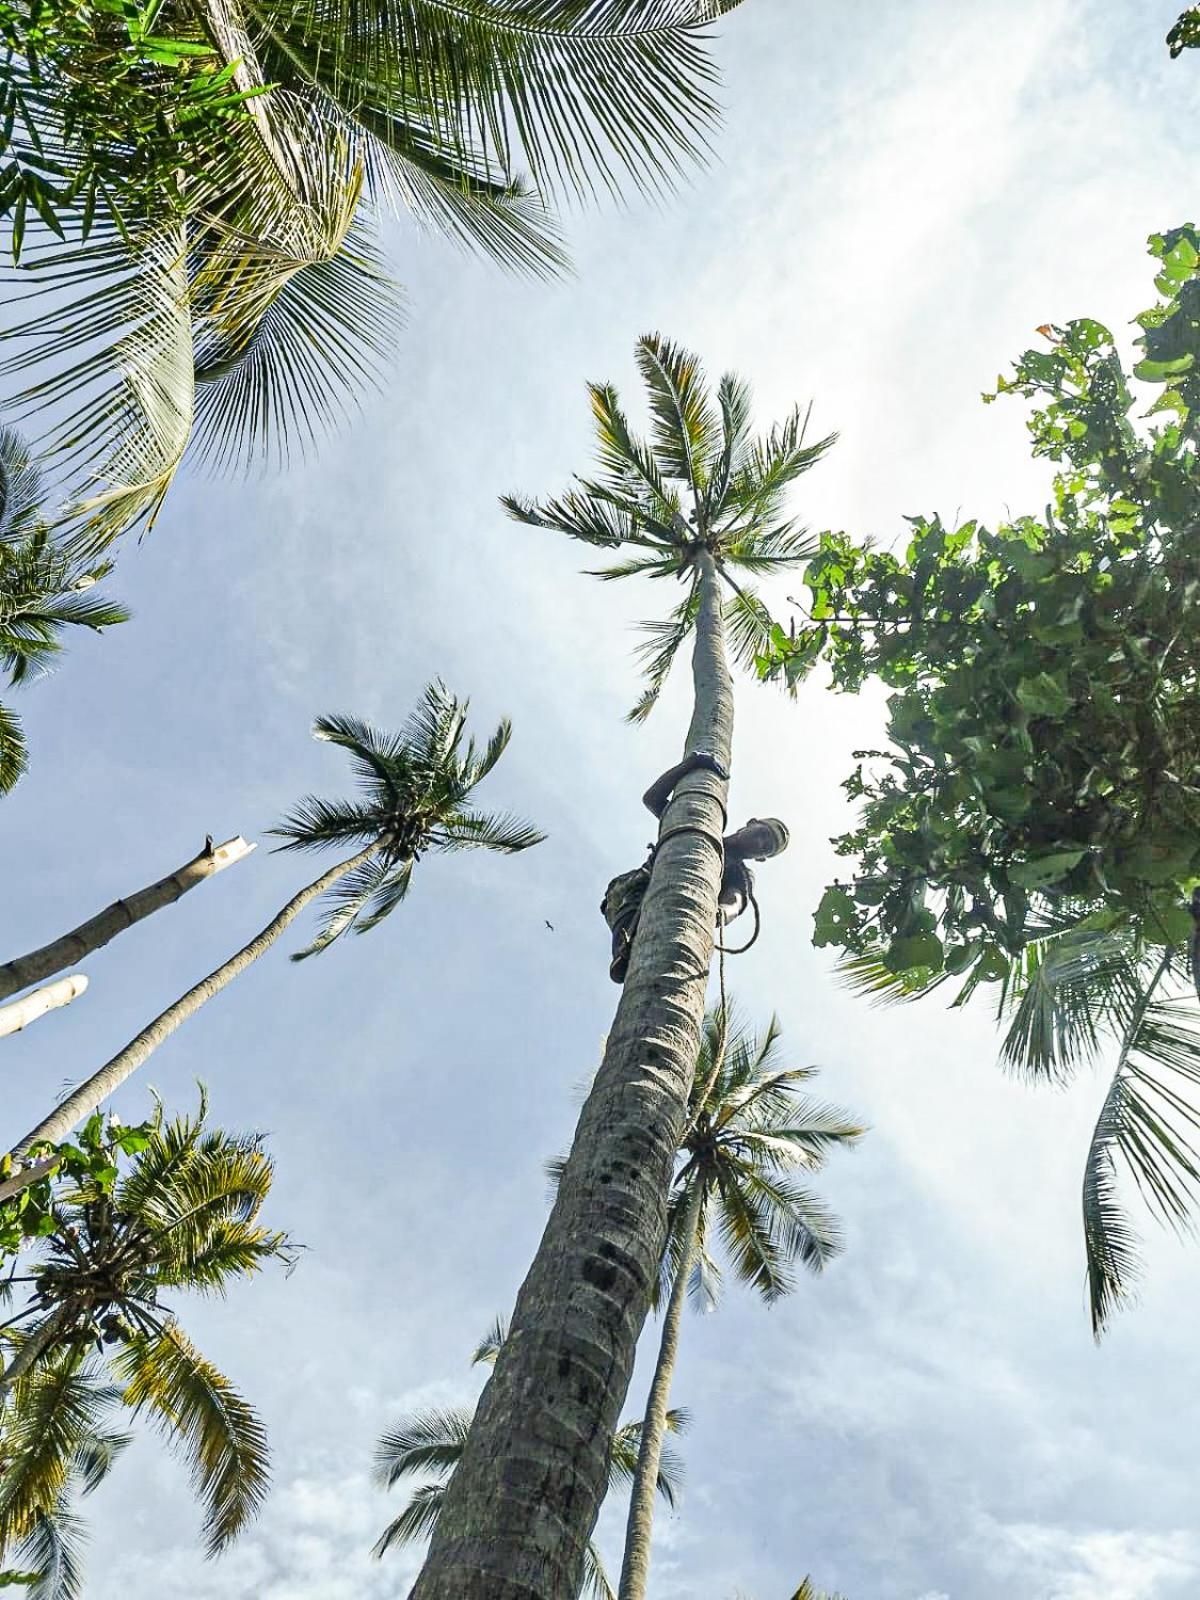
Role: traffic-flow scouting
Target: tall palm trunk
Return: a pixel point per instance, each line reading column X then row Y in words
column 96, row 1089
column 122, row 914
column 525, row 1496
column 635, row 1568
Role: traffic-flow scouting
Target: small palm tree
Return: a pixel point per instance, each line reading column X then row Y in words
column 235, row 290
column 701, row 501
column 749, row 1129
column 431, row 1442
column 183, row 1217
column 417, row 787
column 44, row 589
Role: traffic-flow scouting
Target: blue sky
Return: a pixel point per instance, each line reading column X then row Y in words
column 902, row 193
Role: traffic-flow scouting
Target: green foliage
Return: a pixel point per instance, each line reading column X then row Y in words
column 750, row 1129
column 101, row 112
column 416, row 787
column 1185, row 33
column 228, row 164
column 45, row 588
column 174, row 1207
column 90, row 1159
column 702, row 482
column 431, row 1443
column 1035, row 822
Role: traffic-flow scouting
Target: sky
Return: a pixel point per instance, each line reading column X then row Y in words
column 900, row 195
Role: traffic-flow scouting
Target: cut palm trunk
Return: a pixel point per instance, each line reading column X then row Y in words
column 97, row 931
column 524, row 1498
column 635, row 1567
column 94, row 1091
column 30, row 1007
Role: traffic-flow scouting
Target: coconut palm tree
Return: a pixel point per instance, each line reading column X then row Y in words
column 702, row 500
column 431, row 1442
column 184, row 1216
column 229, row 284
column 417, row 786
column 749, row 1128
column 45, row 588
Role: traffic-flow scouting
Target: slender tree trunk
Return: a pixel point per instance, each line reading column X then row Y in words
column 122, row 914
column 95, row 1090
column 635, row 1568
column 524, row 1498
column 30, row 1007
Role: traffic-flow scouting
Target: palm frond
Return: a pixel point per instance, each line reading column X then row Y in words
column 53, row 1548
column 1062, row 993
column 748, row 626
column 585, row 517
column 489, row 1346
column 658, row 651
column 21, row 487
column 345, row 902
column 596, row 1585
column 485, row 831
column 1147, row 1126
column 582, row 90
column 52, row 1410
column 770, row 465
column 426, row 1441
column 202, row 1415
column 417, row 1520
column 685, row 427
column 14, row 751
column 733, row 400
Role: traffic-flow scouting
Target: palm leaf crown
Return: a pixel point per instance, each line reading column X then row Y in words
column 236, row 289
column 703, row 481
column 183, row 1217
column 415, row 788
column 46, row 586
column 750, row 1129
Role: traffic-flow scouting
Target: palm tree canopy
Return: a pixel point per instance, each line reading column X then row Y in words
column 415, row 786
column 227, row 171
column 184, row 1216
column 750, row 1129
column 701, row 481
column 45, row 588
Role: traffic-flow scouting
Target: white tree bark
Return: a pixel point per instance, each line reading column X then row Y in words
column 30, row 1007
column 114, row 919
column 522, row 1503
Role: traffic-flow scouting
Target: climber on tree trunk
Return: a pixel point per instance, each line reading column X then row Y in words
column 760, row 839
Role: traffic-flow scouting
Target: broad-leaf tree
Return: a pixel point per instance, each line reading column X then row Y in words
column 229, row 288
column 416, row 797
column 700, row 501
column 430, row 1443
column 46, row 587
column 184, row 1216
column 1034, row 824
column 750, row 1131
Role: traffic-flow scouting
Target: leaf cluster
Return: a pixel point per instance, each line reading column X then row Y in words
column 416, row 785
column 182, row 1214
column 701, row 482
